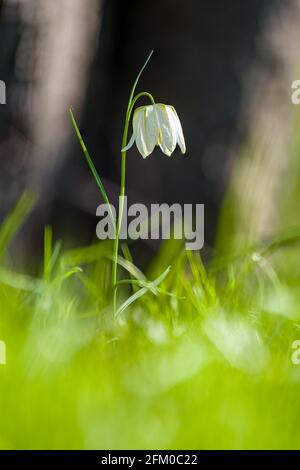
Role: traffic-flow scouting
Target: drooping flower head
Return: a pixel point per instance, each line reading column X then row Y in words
column 156, row 124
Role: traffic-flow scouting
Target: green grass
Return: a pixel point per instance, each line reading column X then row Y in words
column 201, row 360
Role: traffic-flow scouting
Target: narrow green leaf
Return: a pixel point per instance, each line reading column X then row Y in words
column 15, row 219
column 91, row 165
column 142, row 292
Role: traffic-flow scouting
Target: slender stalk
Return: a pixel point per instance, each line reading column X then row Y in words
column 137, row 97
column 121, row 209
column 131, row 103
column 137, row 80
column 92, row 166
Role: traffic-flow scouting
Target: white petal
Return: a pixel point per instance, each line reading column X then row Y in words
column 167, row 131
column 136, row 117
column 129, row 145
column 180, row 136
column 146, row 130
column 151, row 131
column 140, row 131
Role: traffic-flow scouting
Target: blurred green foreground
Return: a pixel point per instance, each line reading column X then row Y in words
column 201, row 361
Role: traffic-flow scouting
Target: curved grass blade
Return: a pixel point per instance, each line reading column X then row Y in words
column 91, row 165
column 142, row 292
column 15, row 219
column 20, row 282
column 137, row 79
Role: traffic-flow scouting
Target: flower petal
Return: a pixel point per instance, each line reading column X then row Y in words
column 136, row 117
column 140, row 131
column 129, row 145
column 151, row 131
column 180, row 136
column 167, row 131
column 145, row 129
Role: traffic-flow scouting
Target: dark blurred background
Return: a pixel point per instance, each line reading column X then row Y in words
column 226, row 66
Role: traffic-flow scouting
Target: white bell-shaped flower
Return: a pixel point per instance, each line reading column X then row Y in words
column 156, row 124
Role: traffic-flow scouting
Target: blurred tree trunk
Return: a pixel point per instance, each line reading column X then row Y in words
column 65, row 34
column 253, row 209
column 54, row 48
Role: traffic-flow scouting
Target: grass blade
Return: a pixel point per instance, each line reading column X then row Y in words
column 15, row 219
column 91, row 165
column 142, row 292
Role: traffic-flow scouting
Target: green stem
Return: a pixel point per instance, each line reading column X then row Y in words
column 131, row 103
column 137, row 80
column 137, row 97
column 121, row 209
